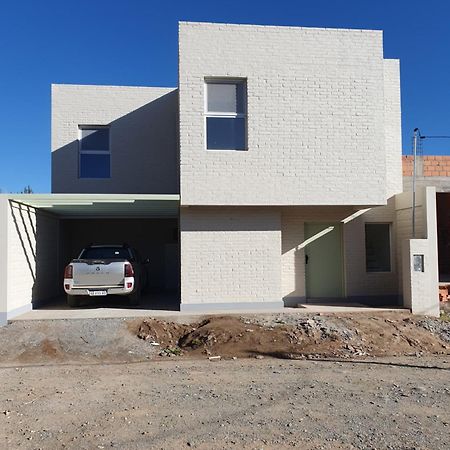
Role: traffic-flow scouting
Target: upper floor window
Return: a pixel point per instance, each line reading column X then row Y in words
column 378, row 247
column 94, row 154
column 226, row 114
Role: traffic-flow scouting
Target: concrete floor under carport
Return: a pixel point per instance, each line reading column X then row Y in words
column 41, row 233
column 156, row 306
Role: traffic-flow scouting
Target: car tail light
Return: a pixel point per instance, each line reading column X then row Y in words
column 129, row 285
column 129, row 272
column 68, row 272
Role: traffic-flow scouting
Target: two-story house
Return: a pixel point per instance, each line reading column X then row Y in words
column 271, row 176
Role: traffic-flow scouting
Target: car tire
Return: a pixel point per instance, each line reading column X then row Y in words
column 73, row 301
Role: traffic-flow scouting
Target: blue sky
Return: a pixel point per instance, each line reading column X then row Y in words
column 134, row 42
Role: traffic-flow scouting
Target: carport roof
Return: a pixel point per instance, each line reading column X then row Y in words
column 103, row 205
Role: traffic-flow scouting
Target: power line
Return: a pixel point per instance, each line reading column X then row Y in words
column 434, row 137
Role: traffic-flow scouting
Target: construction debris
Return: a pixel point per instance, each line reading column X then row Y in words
column 300, row 336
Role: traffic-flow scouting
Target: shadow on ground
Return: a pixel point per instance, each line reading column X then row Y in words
column 157, row 300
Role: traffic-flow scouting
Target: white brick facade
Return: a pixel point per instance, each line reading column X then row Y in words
column 143, row 138
column 29, row 247
column 230, row 255
column 324, row 141
column 254, row 254
column 315, row 116
column 392, row 127
column 323, row 130
column 359, row 282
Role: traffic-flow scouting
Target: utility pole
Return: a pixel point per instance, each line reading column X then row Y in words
column 416, row 134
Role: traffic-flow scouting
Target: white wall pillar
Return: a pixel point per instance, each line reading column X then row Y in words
column 3, row 259
column 419, row 257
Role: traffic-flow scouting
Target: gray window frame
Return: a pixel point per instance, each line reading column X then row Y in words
column 225, row 115
column 94, row 152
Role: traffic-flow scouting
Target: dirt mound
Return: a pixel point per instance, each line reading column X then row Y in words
column 286, row 335
column 165, row 334
column 299, row 336
column 226, row 336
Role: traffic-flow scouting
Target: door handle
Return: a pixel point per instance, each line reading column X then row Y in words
column 306, row 259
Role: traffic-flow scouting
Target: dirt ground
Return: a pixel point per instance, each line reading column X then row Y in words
column 287, row 336
column 306, row 381
column 293, row 336
column 256, row 404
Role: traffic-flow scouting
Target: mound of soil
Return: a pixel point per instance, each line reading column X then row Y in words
column 286, row 335
column 300, row 336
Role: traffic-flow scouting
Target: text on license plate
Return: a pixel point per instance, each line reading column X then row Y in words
column 97, row 293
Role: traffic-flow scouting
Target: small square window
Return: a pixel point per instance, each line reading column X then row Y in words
column 94, row 152
column 226, row 115
column 378, row 247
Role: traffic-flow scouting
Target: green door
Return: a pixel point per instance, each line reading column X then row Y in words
column 323, row 258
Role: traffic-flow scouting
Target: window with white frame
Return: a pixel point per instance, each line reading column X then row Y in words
column 226, row 114
column 94, row 152
column 378, row 247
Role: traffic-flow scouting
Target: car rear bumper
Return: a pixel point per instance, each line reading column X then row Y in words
column 126, row 289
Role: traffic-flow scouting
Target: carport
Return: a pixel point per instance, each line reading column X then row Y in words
column 41, row 233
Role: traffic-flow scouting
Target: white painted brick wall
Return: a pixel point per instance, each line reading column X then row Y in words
column 32, row 255
column 420, row 289
column 315, row 116
column 392, row 127
column 3, row 259
column 359, row 282
column 230, row 255
column 143, row 138
column 403, row 213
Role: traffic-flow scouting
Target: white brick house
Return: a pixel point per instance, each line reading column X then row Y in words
column 284, row 145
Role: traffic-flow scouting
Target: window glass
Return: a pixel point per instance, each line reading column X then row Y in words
column 225, row 133
column 225, row 97
column 95, row 139
column 378, row 247
column 94, row 165
column 105, row 253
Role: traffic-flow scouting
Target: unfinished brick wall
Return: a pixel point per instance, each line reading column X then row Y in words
column 433, row 166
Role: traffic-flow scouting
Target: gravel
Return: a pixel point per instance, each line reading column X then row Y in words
column 88, row 384
column 400, row 403
column 438, row 327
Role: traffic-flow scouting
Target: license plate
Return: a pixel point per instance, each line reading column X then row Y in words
column 97, row 293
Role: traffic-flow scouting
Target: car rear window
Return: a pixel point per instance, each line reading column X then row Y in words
column 105, row 253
